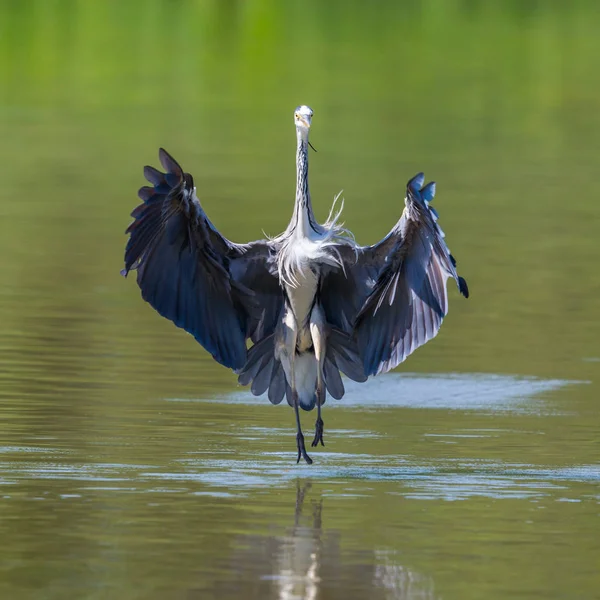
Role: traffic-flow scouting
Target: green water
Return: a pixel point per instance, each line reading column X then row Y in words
column 132, row 466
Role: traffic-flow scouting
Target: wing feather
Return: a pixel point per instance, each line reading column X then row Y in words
column 407, row 303
column 218, row 291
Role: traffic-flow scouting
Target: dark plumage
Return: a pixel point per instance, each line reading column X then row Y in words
column 312, row 302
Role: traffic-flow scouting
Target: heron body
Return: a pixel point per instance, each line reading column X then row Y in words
column 313, row 302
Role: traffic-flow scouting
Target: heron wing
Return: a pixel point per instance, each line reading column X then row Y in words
column 408, row 301
column 343, row 291
column 220, row 292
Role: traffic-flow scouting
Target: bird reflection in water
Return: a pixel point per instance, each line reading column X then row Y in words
column 308, row 563
column 301, row 556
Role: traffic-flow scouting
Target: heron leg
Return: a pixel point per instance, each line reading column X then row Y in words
column 318, row 429
column 287, row 355
column 317, row 332
column 299, row 437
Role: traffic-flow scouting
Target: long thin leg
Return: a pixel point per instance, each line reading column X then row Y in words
column 299, row 437
column 318, row 427
column 317, row 332
column 288, row 353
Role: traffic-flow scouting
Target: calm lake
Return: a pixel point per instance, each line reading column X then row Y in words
column 133, row 466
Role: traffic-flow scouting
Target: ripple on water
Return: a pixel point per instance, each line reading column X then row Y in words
column 446, row 479
column 212, row 472
column 348, row 475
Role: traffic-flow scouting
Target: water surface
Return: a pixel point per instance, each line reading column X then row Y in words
column 133, row 466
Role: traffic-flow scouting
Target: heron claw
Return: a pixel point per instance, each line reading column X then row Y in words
column 318, row 433
column 302, row 450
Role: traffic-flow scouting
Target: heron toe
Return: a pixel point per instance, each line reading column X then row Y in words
column 318, row 433
column 302, row 450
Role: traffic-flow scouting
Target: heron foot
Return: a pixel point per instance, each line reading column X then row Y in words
column 302, row 450
column 318, row 433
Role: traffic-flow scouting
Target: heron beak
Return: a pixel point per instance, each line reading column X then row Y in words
column 304, row 122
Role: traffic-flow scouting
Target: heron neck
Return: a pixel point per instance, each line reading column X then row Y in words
column 303, row 213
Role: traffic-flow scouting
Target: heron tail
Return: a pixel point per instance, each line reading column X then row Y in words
column 264, row 371
column 341, row 355
column 305, row 366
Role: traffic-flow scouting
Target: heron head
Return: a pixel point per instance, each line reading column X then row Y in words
column 302, row 117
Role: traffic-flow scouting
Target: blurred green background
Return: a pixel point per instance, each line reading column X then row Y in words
column 499, row 102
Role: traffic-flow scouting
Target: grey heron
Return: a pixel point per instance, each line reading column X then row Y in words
column 312, row 301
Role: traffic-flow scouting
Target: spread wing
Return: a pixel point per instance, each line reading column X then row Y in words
column 392, row 296
column 220, row 292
